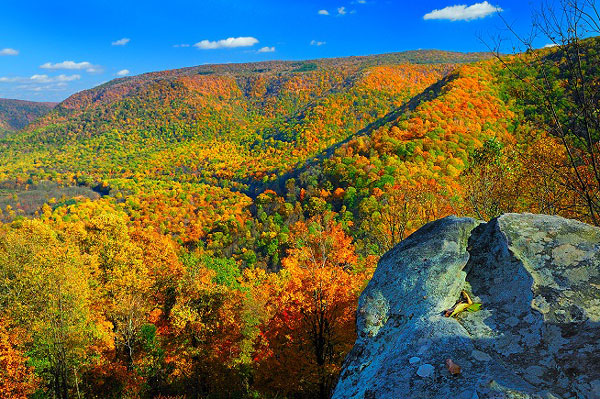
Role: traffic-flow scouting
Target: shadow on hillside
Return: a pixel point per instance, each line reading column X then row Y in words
column 311, row 165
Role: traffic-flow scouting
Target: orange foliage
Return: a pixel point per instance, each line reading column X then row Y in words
column 17, row 380
column 311, row 322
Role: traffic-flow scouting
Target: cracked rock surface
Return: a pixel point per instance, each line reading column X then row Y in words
column 537, row 334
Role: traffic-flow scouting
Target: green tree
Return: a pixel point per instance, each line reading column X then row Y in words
column 47, row 287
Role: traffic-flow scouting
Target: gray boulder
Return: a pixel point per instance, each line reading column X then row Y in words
column 537, row 334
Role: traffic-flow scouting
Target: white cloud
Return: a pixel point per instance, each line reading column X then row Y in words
column 123, row 72
column 266, row 50
column 317, row 43
column 60, row 86
column 41, row 78
column 9, row 51
column 323, row 12
column 50, row 79
column 341, row 11
column 181, row 45
column 67, row 65
column 463, row 12
column 121, row 42
column 67, row 78
column 550, row 45
column 39, row 83
column 227, row 43
column 72, row 65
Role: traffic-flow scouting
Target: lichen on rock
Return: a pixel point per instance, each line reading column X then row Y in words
column 536, row 336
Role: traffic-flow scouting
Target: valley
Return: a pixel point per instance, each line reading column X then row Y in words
column 207, row 231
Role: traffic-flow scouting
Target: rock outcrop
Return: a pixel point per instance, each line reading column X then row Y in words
column 537, row 334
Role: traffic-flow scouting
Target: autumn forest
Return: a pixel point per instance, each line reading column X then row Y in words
column 206, row 232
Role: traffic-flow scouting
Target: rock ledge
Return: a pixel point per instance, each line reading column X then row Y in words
column 536, row 336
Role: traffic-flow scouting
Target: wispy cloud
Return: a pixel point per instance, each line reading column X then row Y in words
column 266, row 50
column 66, row 65
column 9, row 51
column 121, row 42
column 231, row 42
column 39, row 83
column 463, row 12
column 60, row 86
column 72, row 65
column 323, row 12
column 49, row 79
column 317, row 43
column 181, row 45
column 42, row 78
column 342, row 11
column 123, row 72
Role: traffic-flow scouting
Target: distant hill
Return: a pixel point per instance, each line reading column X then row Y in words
column 324, row 134
column 264, row 118
column 17, row 114
column 123, row 87
column 223, row 134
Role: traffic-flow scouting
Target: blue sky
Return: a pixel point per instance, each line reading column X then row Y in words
column 52, row 49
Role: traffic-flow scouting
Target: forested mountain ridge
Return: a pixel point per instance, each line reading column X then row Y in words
column 253, row 108
column 198, row 231
column 122, row 86
column 17, row 114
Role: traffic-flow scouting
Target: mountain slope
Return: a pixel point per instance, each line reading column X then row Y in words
column 265, row 118
column 219, row 134
column 17, row 114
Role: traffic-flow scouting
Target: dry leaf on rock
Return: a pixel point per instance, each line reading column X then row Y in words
column 453, row 368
